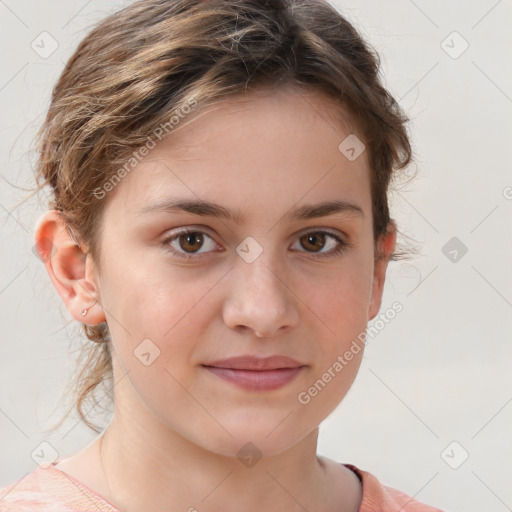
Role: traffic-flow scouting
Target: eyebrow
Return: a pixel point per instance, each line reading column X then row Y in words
column 208, row 209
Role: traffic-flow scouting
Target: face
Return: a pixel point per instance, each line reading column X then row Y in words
column 278, row 276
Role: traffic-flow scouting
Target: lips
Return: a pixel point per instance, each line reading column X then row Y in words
column 256, row 363
column 256, row 374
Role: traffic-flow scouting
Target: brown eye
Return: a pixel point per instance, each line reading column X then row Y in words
column 188, row 243
column 313, row 241
column 191, row 242
column 322, row 244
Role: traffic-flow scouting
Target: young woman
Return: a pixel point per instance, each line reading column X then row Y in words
column 220, row 226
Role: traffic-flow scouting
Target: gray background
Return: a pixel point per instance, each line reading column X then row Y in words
column 440, row 371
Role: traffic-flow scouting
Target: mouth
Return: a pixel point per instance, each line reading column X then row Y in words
column 256, row 374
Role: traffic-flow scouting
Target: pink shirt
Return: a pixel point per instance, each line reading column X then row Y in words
column 52, row 490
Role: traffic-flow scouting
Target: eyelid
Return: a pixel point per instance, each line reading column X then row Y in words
column 334, row 232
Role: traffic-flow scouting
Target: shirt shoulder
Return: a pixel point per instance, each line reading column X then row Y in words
column 49, row 489
column 381, row 498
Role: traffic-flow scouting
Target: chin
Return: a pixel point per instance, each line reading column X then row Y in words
column 254, row 436
column 255, row 446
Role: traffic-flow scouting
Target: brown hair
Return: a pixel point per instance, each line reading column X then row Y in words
column 153, row 58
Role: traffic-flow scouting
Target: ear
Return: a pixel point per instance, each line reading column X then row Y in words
column 385, row 247
column 71, row 271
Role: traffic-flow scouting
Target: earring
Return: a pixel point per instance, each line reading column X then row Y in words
column 84, row 312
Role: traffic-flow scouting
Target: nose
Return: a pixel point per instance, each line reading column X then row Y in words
column 260, row 300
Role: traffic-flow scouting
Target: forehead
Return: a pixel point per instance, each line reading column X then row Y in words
column 276, row 112
column 272, row 146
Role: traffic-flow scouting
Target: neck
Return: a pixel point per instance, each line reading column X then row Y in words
column 180, row 475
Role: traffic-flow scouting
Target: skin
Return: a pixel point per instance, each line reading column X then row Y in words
column 176, row 428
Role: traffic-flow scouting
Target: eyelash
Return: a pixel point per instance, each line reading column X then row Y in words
column 340, row 249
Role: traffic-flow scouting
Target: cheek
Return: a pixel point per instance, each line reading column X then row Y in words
column 147, row 296
column 342, row 307
column 341, row 298
column 155, row 315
